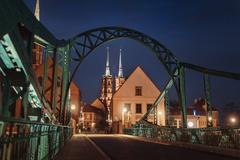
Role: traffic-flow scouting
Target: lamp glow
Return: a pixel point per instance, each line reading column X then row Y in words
column 73, row 107
column 209, row 118
column 233, row 120
column 190, row 124
column 124, row 110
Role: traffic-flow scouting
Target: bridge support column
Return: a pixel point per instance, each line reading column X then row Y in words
column 65, row 85
column 25, row 105
column 207, row 91
column 155, row 115
column 45, row 72
column 182, row 91
column 55, row 79
column 167, row 109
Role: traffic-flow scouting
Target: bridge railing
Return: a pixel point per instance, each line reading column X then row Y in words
column 219, row 137
column 26, row 140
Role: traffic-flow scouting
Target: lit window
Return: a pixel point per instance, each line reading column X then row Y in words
column 138, row 108
column 138, row 91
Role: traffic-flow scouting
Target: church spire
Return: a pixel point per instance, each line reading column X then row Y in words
column 120, row 70
column 37, row 10
column 107, row 72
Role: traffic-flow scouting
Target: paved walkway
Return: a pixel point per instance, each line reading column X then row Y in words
column 80, row 147
column 122, row 147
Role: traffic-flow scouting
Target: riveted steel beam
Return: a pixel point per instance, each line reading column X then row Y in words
column 207, row 91
column 182, row 98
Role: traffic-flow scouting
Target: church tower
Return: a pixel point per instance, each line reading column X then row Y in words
column 107, row 86
column 37, row 49
column 119, row 80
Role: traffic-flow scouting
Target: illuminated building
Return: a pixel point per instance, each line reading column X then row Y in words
column 196, row 115
column 92, row 118
column 132, row 100
column 107, row 87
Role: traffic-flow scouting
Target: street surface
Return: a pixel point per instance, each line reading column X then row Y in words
column 118, row 147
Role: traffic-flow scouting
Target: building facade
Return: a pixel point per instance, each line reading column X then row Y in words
column 75, row 100
column 196, row 115
column 132, row 100
column 92, row 119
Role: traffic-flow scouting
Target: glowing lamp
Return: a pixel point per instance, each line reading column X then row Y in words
column 190, row 124
column 73, row 107
column 233, row 120
column 124, row 110
column 209, row 118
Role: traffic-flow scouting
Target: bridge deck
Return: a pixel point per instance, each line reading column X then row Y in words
column 118, row 147
column 79, row 147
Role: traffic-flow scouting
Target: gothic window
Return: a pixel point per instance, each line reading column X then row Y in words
column 109, row 91
column 109, row 83
column 138, row 91
column 138, row 108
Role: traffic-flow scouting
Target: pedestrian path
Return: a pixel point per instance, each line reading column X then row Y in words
column 80, row 147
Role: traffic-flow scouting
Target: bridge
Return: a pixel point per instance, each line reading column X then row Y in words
column 31, row 127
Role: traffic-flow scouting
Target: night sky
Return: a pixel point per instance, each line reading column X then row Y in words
column 201, row 32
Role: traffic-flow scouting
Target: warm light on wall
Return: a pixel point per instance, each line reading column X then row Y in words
column 124, row 110
column 73, row 107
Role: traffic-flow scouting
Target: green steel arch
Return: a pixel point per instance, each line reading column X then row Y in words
column 84, row 43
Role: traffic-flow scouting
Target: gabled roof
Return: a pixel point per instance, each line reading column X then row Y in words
column 138, row 68
column 90, row 108
column 99, row 104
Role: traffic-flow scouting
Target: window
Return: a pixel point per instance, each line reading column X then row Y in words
column 149, row 106
column 109, row 83
column 138, row 108
column 138, row 91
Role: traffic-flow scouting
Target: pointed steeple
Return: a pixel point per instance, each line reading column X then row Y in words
column 120, row 70
column 37, row 10
column 107, row 72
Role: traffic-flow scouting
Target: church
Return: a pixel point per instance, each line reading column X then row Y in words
column 127, row 99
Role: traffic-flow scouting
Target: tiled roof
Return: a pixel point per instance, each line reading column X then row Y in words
column 90, row 108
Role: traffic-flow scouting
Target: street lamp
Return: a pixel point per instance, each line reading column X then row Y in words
column 233, row 121
column 73, row 107
column 209, row 118
column 190, row 124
